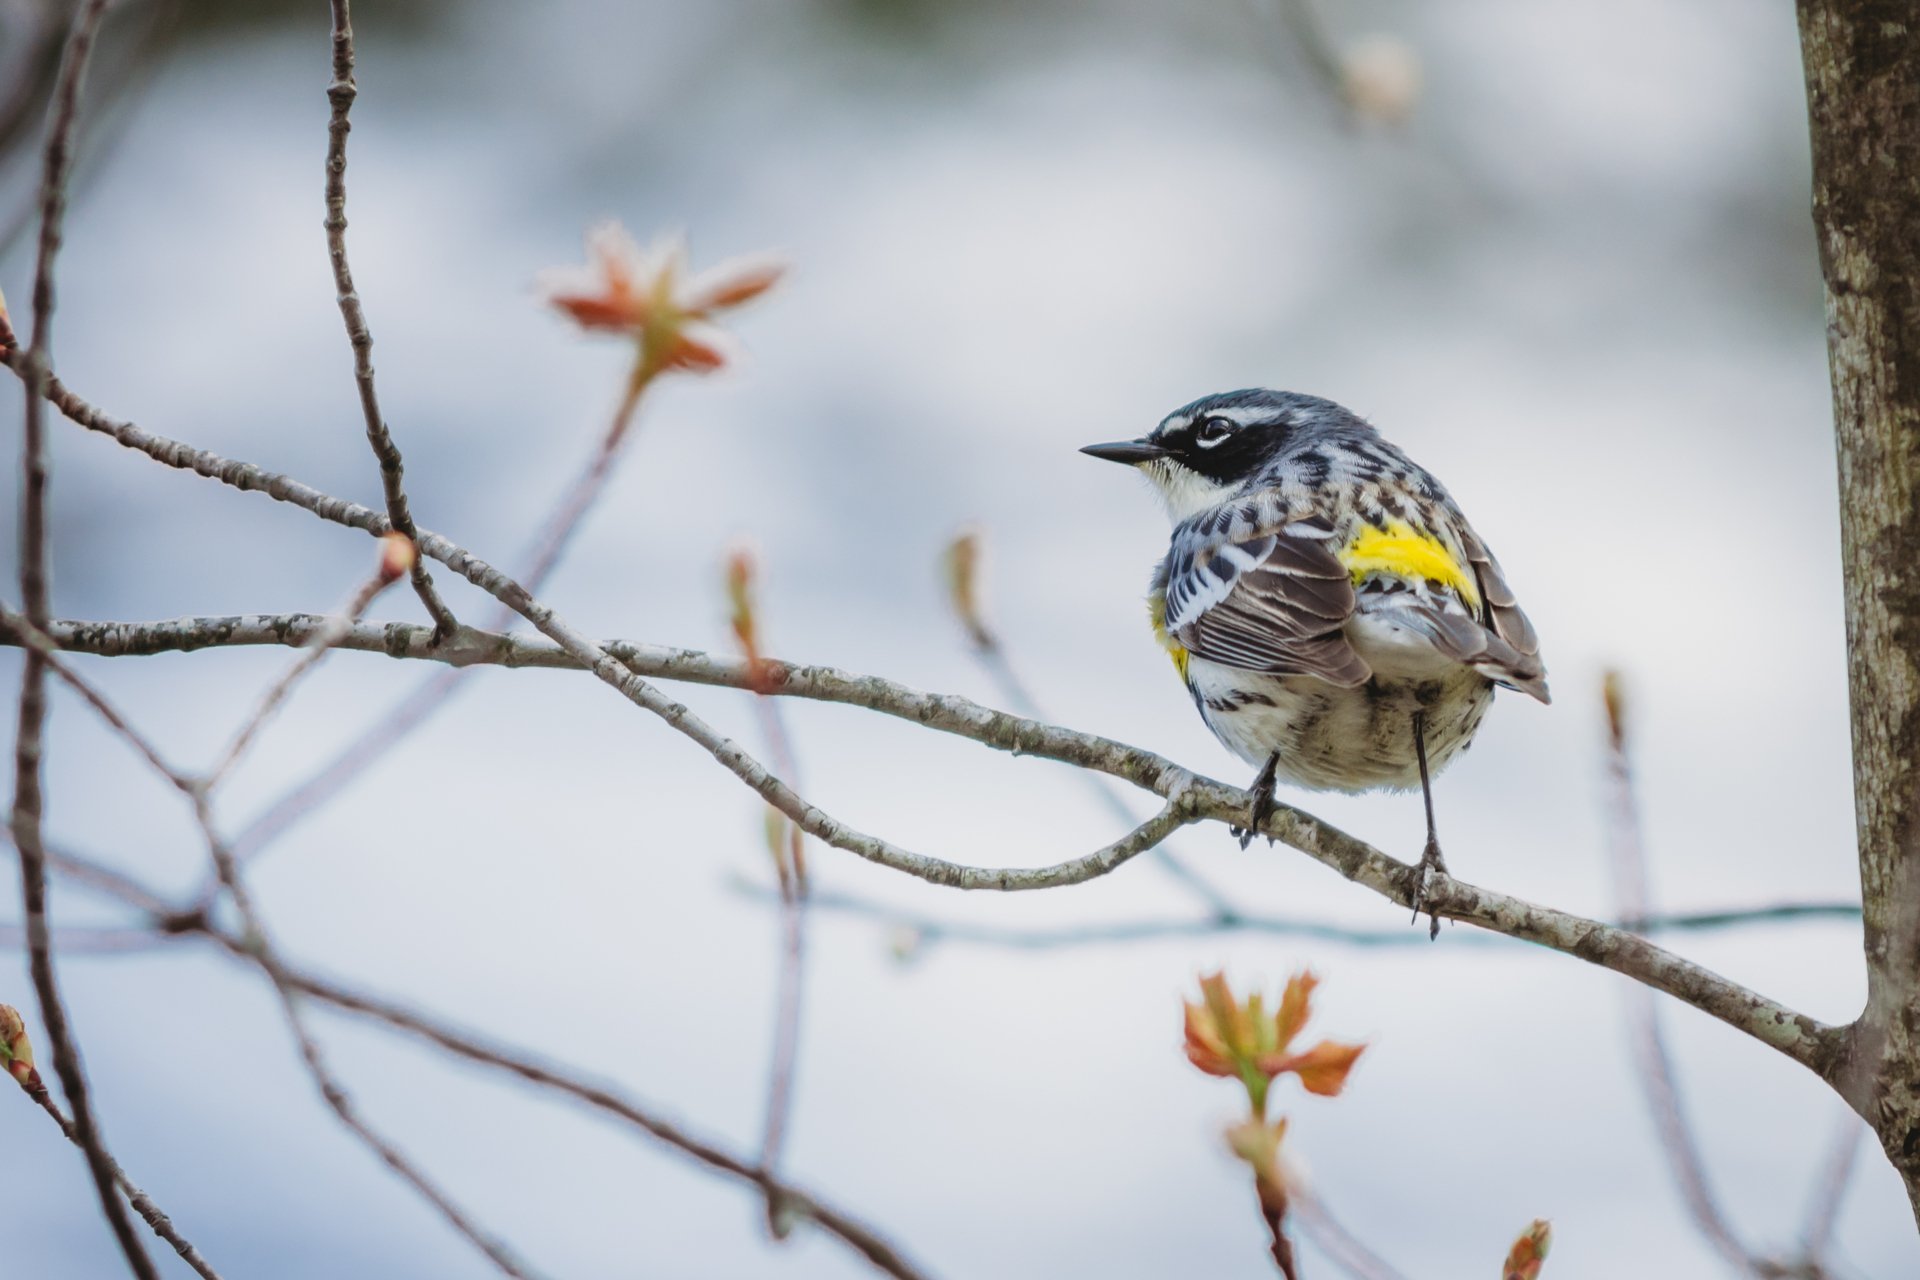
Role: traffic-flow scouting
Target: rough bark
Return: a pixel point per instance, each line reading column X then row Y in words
column 1862, row 60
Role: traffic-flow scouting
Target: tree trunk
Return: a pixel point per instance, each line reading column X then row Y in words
column 1862, row 61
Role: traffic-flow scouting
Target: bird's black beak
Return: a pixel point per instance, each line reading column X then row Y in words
column 1128, row 451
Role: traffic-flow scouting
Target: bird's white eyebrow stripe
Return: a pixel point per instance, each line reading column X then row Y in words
column 1239, row 415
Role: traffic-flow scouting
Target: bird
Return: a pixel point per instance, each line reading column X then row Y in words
column 1335, row 617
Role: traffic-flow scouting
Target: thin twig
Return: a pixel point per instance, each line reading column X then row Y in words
column 931, row 930
column 16, row 628
column 169, row 924
column 108, row 882
column 557, row 530
column 987, row 648
column 277, row 693
column 1830, row 1188
column 340, row 93
column 172, row 923
column 543, row 557
column 1340, row 1245
column 1652, row 1060
column 1308, row 35
column 869, row 1244
column 35, row 599
column 1806, row 1040
column 104, row 940
column 790, row 861
column 256, row 945
column 785, row 1056
column 142, row 1203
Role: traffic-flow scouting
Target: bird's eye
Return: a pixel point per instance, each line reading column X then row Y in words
column 1212, row 431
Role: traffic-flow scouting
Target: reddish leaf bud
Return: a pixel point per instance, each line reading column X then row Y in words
column 1529, row 1252
column 16, row 1051
column 397, row 557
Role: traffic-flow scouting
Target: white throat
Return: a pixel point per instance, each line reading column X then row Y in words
column 1183, row 491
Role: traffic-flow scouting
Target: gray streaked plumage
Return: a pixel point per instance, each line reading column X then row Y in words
column 1320, row 589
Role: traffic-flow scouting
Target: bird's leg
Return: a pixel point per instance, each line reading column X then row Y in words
column 1430, row 859
column 1262, row 807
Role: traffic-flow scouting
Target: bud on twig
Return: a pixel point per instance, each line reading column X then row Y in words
column 1238, row 1039
column 961, row 561
column 397, row 557
column 1380, row 78
column 1258, row 1143
column 1528, row 1252
column 786, row 843
column 16, row 1051
column 1613, row 692
column 7, row 340
column 743, row 615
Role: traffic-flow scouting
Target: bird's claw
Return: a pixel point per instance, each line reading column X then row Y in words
column 1262, row 807
column 1257, row 816
column 1431, row 865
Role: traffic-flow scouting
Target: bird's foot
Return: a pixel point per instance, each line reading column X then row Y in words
column 1262, row 807
column 1431, row 868
column 1257, row 815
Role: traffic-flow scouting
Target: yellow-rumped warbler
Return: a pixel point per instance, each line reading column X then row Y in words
column 1335, row 617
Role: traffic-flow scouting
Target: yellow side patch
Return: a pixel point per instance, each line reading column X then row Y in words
column 1406, row 552
column 1157, row 616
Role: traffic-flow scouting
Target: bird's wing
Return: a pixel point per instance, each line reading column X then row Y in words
column 1272, row 600
column 1468, row 611
column 1507, row 648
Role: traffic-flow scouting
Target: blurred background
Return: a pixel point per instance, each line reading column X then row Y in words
column 1578, row 282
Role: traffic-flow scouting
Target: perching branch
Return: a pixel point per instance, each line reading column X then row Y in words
column 35, row 367
column 340, row 93
column 1801, row 1038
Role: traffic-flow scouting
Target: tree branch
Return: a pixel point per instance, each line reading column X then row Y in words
column 865, row 1241
column 26, row 818
column 1801, row 1038
column 543, row 557
column 340, row 93
column 167, row 923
